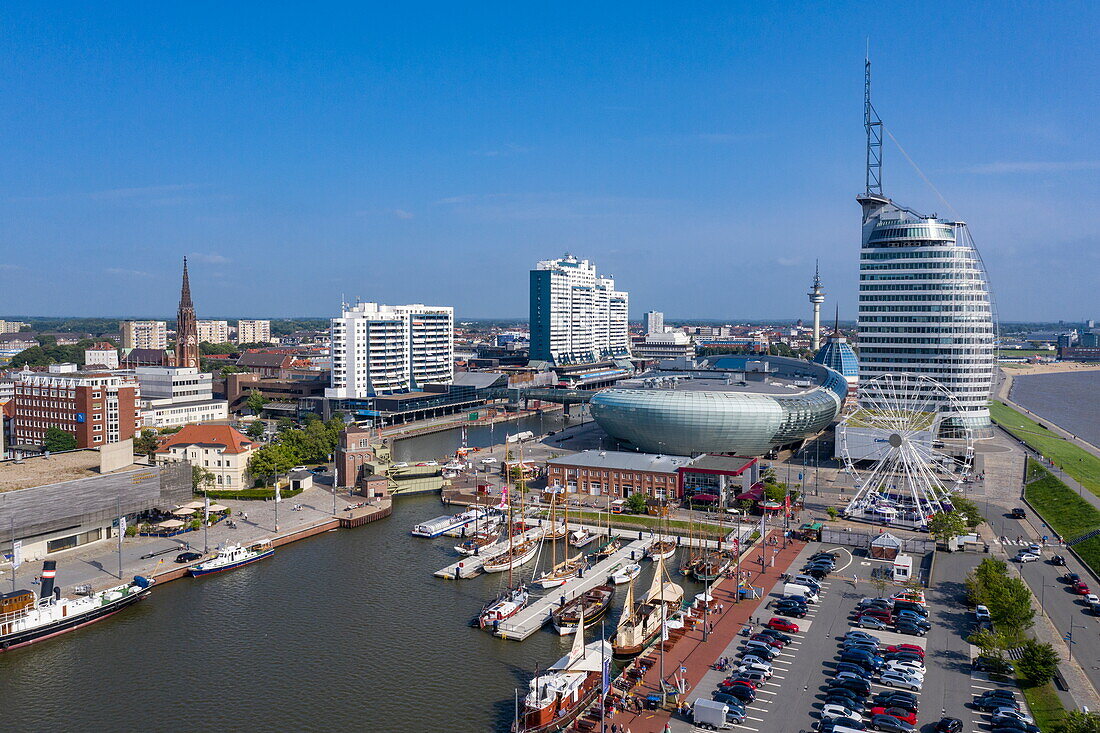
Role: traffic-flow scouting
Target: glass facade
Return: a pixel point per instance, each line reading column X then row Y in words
column 724, row 419
column 925, row 306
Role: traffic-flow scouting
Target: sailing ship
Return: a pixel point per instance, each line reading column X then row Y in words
column 581, row 537
column 25, row 619
column 565, row 690
column 611, row 545
column 232, row 556
column 660, row 548
column 642, row 621
column 479, row 541
column 710, row 566
column 568, row 568
column 587, row 609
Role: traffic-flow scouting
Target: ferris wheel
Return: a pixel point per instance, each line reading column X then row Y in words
column 907, row 448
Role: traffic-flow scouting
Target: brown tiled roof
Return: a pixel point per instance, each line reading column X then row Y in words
column 226, row 436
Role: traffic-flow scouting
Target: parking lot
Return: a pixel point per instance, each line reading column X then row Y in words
column 792, row 699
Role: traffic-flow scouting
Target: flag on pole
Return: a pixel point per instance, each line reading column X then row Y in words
column 206, row 510
column 122, row 527
column 278, row 496
column 16, row 553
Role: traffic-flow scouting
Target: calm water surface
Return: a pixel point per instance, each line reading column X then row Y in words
column 346, row 630
column 1071, row 400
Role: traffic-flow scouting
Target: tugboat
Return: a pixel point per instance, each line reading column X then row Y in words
column 586, row 609
column 567, row 688
column 25, row 619
column 232, row 556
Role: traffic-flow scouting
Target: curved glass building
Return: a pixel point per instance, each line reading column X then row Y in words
column 838, row 354
column 723, row 404
column 925, row 306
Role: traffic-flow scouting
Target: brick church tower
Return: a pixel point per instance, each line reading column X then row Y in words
column 187, row 328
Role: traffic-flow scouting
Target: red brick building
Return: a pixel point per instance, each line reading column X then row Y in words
column 617, row 474
column 97, row 407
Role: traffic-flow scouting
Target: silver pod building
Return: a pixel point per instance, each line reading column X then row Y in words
column 722, row 404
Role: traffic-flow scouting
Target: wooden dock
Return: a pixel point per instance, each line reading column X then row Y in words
column 470, row 566
column 531, row 618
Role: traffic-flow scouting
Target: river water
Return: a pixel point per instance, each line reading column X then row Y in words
column 1071, row 400
column 440, row 445
column 346, row 630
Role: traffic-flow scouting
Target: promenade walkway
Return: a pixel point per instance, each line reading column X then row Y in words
column 691, row 656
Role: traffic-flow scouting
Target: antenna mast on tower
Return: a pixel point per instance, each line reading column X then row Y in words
column 873, row 125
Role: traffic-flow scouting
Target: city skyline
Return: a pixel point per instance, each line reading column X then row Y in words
column 652, row 145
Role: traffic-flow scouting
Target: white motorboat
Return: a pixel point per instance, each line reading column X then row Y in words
column 625, row 574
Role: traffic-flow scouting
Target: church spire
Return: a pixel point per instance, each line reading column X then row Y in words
column 185, row 290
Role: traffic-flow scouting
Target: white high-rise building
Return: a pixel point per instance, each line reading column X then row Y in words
column 253, row 332
column 653, row 322
column 577, row 316
column 213, row 332
column 388, row 349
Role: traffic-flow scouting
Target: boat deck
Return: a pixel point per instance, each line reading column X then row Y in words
column 531, row 618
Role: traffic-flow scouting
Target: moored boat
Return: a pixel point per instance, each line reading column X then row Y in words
column 478, row 542
column 641, row 622
column 563, row 572
column 25, row 619
column 518, row 554
column 508, row 604
column 445, row 523
column 565, row 690
column 660, row 550
column 710, row 566
column 587, row 608
column 580, row 537
column 232, row 556
column 608, row 548
column 625, row 573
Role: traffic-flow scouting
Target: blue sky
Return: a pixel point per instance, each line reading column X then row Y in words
column 704, row 154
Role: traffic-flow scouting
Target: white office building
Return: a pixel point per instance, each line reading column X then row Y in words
column 173, row 396
column 653, row 322
column 253, row 332
column 144, row 335
column 577, row 316
column 388, row 349
column 671, row 345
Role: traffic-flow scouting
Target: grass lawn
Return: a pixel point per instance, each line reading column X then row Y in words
column 1045, row 705
column 1077, row 462
column 650, row 524
column 1069, row 514
column 1025, row 353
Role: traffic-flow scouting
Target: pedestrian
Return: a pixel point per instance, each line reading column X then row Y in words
column 35, row 581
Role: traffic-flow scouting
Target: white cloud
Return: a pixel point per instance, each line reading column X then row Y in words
column 402, row 214
column 122, row 272
column 789, row 261
column 1036, row 166
column 208, row 258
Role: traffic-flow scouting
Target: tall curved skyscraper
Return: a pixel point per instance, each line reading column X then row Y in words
column 924, row 298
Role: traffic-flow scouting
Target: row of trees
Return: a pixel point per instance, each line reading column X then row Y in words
column 292, row 446
column 1009, row 602
column 964, row 518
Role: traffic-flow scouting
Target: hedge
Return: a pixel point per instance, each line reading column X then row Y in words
column 252, row 494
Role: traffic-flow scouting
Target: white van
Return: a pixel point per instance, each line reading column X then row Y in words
column 794, row 589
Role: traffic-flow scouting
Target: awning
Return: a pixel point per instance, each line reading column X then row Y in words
column 193, row 505
column 183, row 512
column 218, row 508
column 171, row 524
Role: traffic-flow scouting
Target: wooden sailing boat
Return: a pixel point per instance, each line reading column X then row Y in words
column 583, row 611
column 568, row 568
column 661, row 548
column 518, row 553
column 611, row 545
column 642, row 621
column 554, row 532
column 515, row 596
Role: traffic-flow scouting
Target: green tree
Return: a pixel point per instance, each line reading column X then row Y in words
column 991, row 643
column 880, row 583
column 146, row 443
column 775, row 492
column 832, row 512
column 968, row 510
column 283, row 424
column 256, row 401
column 58, row 440
column 945, row 526
column 636, row 503
column 1076, row 721
column 272, row 460
column 201, row 479
column 1038, row 662
column 255, row 429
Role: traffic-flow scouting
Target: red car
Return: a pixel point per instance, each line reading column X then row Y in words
column 782, row 624
column 738, row 681
column 913, row 648
column 903, row 715
column 1080, row 588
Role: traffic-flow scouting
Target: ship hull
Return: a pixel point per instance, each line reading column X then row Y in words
column 563, row 719
column 592, row 616
column 30, row 636
column 197, row 572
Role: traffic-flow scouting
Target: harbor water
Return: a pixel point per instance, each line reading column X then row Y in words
column 1068, row 399
column 346, row 630
column 435, row 446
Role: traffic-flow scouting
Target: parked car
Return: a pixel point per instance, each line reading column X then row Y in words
column 907, row 627
column 764, row 638
column 835, row 724
column 902, row 680
column 782, row 624
column 897, row 699
column 1057, row 560
column 858, row 634
column 836, row 711
column 860, row 687
column 1002, row 714
column 777, row 635
column 890, row 723
column 1023, row 557
column 1071, row 578
column 949, row 725
column 1019, row 513
column 854, row 668
column 871, row 622
column 188, row 557
column 907, row 648
column 1015, row 726
column 792, row 611
column 906, row 716
column 1080, row 588
column 982, row 613
column 734, row 703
